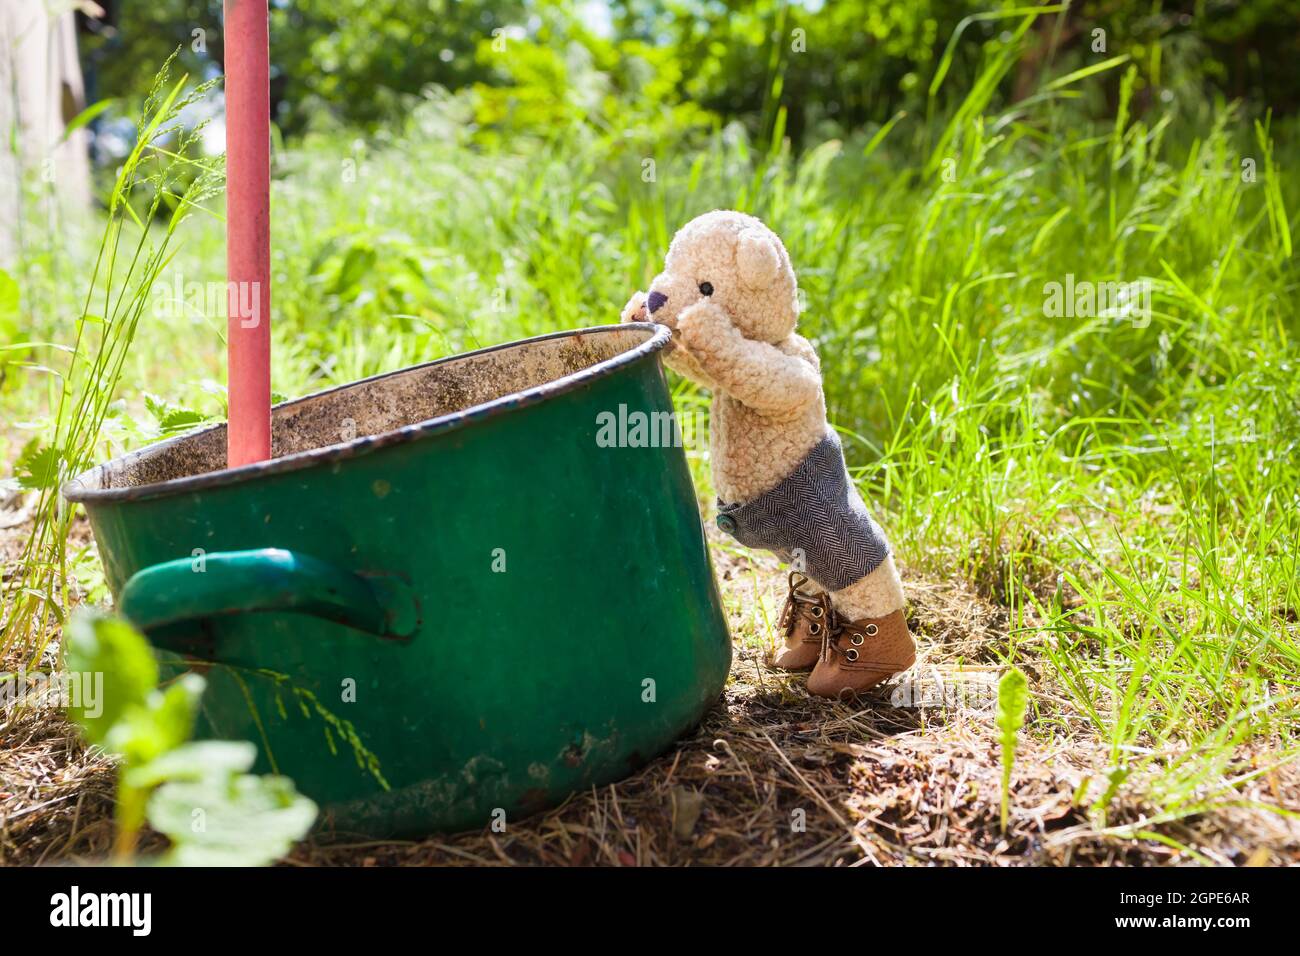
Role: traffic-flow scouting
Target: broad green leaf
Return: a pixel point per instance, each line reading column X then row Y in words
column 95, row 644
column 194, row 761
column 164, row 721
column 221, row 820
column 170, row 416
column 38, row 466
column 181, row 418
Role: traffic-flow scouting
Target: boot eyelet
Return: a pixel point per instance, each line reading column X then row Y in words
column 857, row 640
column 814, row 628
column 818, row 612
column 872, row 630
column 850, row 655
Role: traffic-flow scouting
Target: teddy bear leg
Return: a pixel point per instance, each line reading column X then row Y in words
column 803, row 622
column 871, row 643
column 875, row 595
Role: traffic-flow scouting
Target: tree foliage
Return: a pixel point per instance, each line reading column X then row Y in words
column 831, row 65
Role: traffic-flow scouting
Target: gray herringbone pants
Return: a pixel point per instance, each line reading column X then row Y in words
column 816, row 509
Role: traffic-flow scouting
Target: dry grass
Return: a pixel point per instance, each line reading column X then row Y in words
column 776, row 777
column 771, row 777
column 56, row 795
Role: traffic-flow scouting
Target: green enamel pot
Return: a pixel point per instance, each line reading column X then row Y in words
column 451, row 594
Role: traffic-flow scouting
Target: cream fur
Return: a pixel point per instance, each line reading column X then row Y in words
column 768, row 409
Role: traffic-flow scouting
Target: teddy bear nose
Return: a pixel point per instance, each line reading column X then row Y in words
column 655, row 299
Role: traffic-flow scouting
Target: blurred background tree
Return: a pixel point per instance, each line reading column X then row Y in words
column 351, row 60
column 832, row 65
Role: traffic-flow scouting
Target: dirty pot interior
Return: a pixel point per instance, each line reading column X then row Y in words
column 386, row 408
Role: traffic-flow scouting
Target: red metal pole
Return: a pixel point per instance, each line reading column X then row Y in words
column 248, row 231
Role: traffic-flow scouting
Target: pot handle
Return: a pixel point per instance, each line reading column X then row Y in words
column 266, row 579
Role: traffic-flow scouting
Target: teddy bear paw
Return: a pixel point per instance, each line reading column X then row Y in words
column 702, row 323
column 635, row 310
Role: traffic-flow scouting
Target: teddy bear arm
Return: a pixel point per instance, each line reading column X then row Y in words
column 755, row 373
column 684, row 363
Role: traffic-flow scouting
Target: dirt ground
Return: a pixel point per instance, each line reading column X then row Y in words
column 772, row 776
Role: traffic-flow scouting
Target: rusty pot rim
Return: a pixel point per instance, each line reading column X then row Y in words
column 77, row 490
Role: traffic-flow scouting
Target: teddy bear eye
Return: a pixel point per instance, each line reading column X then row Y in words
column 706, row 288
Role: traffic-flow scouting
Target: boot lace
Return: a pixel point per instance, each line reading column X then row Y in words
column 816, row 608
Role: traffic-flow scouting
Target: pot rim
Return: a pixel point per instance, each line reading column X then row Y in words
column 76, row 490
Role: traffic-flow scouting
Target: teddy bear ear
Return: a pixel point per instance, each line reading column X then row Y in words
column 757, row 259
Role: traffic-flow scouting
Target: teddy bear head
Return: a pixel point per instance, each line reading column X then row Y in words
column 735, row 262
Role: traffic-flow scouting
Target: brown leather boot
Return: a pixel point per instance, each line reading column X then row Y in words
column 860, row 654
column 805, row 619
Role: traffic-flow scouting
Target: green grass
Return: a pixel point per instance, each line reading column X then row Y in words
column 1127, row 489
column 79, row 386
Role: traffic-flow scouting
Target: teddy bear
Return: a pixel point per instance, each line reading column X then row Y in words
column 728, row 294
